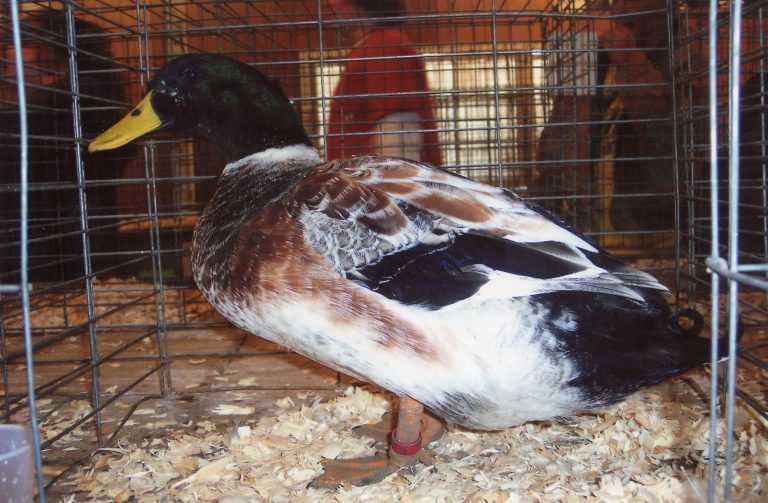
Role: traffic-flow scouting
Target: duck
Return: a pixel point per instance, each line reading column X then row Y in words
column 473, row 306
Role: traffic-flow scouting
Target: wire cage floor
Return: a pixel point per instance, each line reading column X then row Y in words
column 602, row 112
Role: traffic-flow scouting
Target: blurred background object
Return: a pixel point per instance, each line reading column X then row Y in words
column 382, row 102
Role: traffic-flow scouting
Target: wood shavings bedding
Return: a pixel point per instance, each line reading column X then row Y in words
column 646, row 449
column 130, row 299
column 62, row 418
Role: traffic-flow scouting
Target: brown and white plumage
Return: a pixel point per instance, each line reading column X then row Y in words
column 472, row 301
column 323, row 260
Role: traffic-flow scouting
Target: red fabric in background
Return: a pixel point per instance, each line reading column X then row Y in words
column 382, row 63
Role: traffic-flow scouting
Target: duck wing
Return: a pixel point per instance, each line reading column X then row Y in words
column 424, row 236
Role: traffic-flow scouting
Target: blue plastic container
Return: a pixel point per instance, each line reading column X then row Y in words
column 16, row 466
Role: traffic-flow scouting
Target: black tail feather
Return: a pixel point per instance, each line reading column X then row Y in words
column 697, row 324
column 692, row 315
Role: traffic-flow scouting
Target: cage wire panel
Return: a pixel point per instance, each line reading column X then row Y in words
column 599, row 112
column 721, row 58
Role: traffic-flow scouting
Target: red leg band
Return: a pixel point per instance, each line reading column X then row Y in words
column 405, row 449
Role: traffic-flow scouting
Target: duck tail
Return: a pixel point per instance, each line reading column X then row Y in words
column 694, row 328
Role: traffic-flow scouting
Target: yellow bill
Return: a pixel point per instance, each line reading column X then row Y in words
column 141, row 120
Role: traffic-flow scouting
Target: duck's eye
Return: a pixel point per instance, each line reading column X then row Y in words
column 192, row 74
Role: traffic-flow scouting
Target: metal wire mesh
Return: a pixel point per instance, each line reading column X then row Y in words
column 721, row 82
column 598, row 112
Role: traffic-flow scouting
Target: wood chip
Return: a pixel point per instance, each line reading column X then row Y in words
column 209, row 473
column 233, row 410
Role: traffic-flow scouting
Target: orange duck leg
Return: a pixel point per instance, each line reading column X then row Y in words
column 414, row 429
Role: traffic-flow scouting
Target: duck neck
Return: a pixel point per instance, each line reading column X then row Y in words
column 290, row 160
column 241, row 138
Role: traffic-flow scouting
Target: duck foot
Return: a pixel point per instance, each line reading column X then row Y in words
column 414, row 429
column 379, row 432
column 357, row 472
column 367, row 470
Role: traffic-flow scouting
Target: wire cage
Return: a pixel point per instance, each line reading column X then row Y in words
column 600, row 111
column 720, row 83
